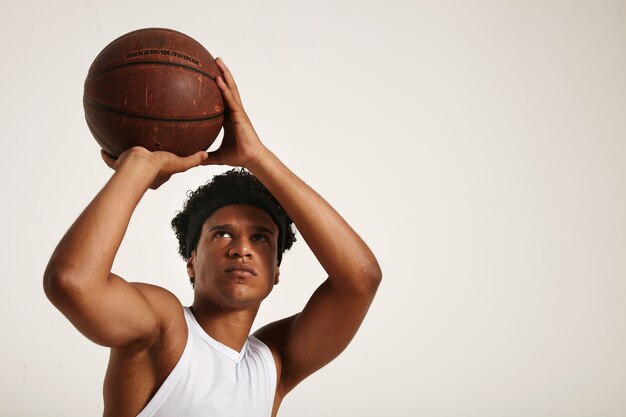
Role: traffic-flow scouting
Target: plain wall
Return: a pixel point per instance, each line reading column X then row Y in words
column 479, row 147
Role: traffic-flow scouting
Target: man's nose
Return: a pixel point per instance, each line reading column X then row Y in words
column 240, row 248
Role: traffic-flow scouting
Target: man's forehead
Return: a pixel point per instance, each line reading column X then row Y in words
column 241, row 214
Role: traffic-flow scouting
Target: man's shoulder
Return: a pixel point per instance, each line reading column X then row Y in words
column 136, row 371
column 272, row 334
column 166, row 306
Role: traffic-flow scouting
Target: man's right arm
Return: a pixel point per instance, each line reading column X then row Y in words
column 78, row 279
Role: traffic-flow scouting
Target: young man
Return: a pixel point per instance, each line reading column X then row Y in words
column 170, row 360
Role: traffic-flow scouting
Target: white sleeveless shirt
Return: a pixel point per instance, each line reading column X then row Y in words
column 211, row 379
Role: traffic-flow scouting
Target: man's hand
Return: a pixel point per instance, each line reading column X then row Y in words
column 241, row 145
column 161, row 164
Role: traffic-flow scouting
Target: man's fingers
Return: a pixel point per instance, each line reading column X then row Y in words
column 108, row 159
column 228, row 78
column 231, row 100
column 212, row 158
column 192, row 160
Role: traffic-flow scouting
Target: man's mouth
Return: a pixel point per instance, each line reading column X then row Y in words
column 240, row 269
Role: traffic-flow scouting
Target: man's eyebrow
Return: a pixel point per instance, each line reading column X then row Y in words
column 263, row 229
column 220, row 226
column 256, row 228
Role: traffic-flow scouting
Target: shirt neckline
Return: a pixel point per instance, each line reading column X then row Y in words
column 227, row 351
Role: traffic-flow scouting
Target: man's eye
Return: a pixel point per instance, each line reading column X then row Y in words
column 259, row 237
column 222, row 233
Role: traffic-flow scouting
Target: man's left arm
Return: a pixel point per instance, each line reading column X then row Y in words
column 333, row 314
column 311, row 339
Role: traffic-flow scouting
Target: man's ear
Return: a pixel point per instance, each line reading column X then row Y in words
column 276, row 275
column 190, row 265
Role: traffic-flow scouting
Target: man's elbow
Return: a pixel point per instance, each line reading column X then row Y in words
column 360, row 278
column 369, row 278
column 374, row 276
column 59, row 283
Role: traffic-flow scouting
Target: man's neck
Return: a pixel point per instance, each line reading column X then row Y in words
column 229, row 327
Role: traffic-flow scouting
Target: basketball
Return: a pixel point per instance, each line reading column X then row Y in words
column 154, row 88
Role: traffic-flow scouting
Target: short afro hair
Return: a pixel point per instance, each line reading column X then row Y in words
column 236, row 186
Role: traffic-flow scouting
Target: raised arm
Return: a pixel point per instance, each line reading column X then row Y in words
column 312, row 338
column 78, row 279
column 335, row 311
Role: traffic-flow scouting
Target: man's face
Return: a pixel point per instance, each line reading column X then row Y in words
column 235, row 263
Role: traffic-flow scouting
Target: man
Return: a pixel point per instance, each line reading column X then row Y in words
column 167, row 359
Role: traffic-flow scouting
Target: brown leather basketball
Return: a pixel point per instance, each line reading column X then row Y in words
column 154, row 88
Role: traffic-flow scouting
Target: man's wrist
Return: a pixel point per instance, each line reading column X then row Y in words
column 139, row 169
column 260, row 159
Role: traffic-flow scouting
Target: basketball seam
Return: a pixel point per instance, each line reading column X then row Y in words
column 129, row 64
column 99, row 136
column 138, row 116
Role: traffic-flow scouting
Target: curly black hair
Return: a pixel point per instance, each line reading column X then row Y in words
column 236, row 186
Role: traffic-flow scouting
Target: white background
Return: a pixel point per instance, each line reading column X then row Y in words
column 479, row 147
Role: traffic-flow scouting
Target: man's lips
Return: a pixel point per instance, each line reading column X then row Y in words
column 240, row 268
